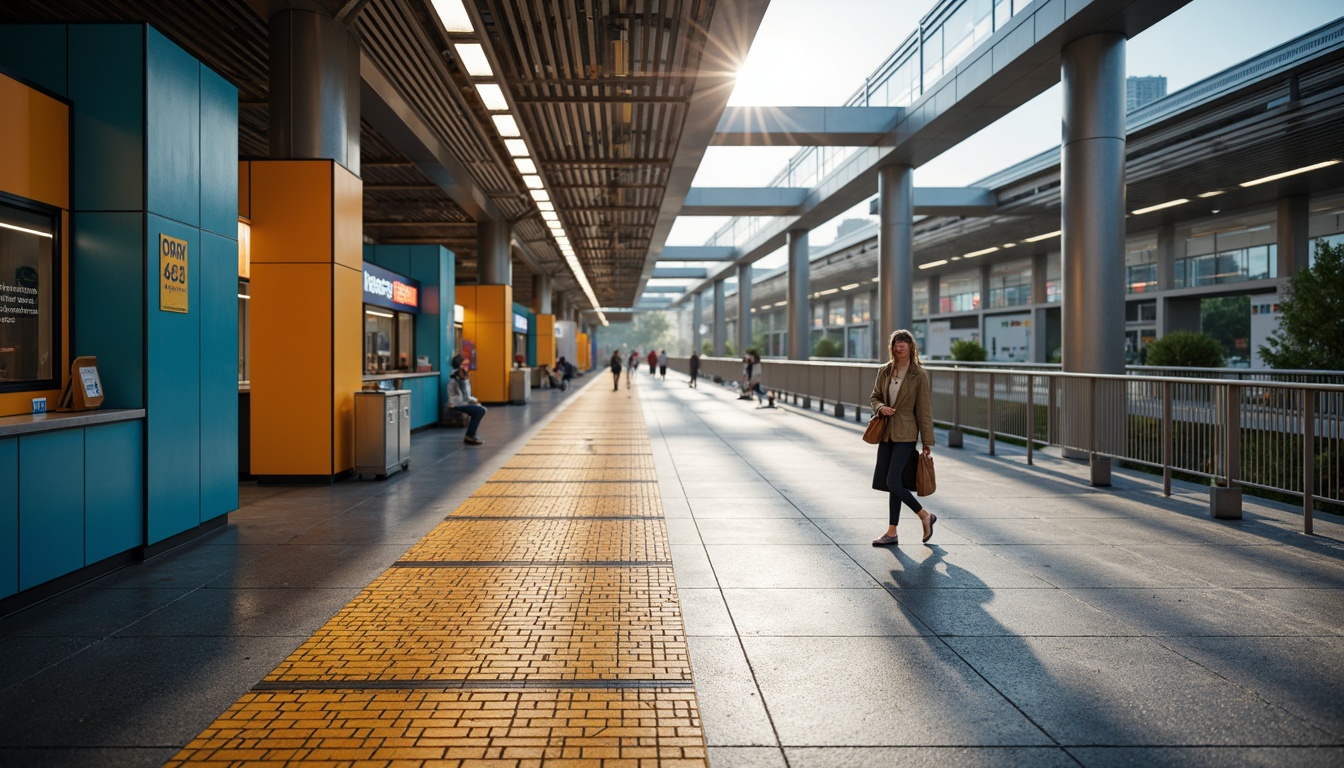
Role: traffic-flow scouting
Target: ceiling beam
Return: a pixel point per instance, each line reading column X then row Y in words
column 682, row 273
column 805, row 126
column 697, row 253
column 743, row 201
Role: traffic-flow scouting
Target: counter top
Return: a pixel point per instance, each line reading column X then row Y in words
column 404, row 375
column 27, row 424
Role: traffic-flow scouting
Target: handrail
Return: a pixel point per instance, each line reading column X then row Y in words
column 1280, row 436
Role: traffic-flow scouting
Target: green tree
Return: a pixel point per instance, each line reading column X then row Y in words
column 827, row 347
column 969, row 350
column 1227, row 319
column 1186, row 349
column 1311, row 324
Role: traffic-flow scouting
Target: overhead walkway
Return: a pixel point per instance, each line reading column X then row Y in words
column 667, row 576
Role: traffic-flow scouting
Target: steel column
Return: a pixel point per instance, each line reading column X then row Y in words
column 797, row 311
column 697, row 317
column 743, row 308
column 896, row 250
column 720, row 320
column 492, row 253
column 314, row 89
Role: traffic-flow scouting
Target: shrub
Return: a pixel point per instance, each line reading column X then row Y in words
column 827, row 347
column 969, row 351
column 1186, row 349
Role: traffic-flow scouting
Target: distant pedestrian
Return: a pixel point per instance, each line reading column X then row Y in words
column 631, row 367
column 662, row 364
column 653, row 362
column 615, row 371
column 901, row 393
column 695, row 368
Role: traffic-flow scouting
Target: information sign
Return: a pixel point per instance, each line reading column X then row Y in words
column 172, row 274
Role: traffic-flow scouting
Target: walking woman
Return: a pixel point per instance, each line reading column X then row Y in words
column 901, row 393
column 615, row 370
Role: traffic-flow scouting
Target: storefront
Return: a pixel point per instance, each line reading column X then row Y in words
column 521, row 358
column 391, row 303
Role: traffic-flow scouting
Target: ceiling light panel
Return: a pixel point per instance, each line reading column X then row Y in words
column 492, row 96
column 453, row 15
column 472, row 56
column 506, row 125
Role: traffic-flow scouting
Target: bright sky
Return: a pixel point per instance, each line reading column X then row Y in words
column 802, row 58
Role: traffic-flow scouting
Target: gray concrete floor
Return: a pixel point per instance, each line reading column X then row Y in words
column 1048, row 622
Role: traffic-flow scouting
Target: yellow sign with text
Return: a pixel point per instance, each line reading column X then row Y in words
column 172, row 274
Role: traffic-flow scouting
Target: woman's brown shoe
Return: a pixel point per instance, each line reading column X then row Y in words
column 929, row 520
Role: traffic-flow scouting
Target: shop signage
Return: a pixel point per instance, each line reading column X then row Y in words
column 390, row 290
column 519, row 323
column 172, row 274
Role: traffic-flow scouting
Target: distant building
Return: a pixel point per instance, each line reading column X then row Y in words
column 1141, row 90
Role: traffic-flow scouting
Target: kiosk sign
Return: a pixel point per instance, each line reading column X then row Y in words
column 172, row 274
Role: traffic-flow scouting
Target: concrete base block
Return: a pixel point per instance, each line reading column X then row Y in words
column 1101, row 470
column 1225, row 502
column 954, row 438
column 839, row 411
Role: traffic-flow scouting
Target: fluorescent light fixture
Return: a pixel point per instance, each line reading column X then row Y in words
column 26, row 230
column 453, row 15
column 525, row 165
column 982, row 252
column 550, row 215
column 545, row 206
column 563, row 242
column 849, row 287
column 532, row 180
column 540, row 195
column 493, row 97
column 1160, row 206
column 377, row 314
column 1010, row 245
column 1046, row 236
column 472, row 56
column 1293, row 172
column 932, row 264
column 828, row 291
column 516, row 147
column 555, row 225
column 874, row 279
column 244, row 297
column 1214, row 193
column 506, row 125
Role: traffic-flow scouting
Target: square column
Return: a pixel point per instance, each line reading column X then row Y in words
column 743, row 308
column 796, row 311
column 895, row 249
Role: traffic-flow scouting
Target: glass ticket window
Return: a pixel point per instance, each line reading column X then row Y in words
column 389, row 340
column 29, row 313
column 244, row 331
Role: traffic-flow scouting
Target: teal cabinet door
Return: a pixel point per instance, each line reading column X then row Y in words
column 51, row 506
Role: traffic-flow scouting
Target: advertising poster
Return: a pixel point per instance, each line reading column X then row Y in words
column 1008, row 338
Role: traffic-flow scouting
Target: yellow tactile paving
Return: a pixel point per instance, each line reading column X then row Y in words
column 548, row 539
column 501, row 624
column 455, row 728
column 580, row 506
column 552, row 576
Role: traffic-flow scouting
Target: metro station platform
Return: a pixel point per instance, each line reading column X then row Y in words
column 669, row 576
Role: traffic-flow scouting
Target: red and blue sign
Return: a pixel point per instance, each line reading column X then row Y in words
column 383, row 288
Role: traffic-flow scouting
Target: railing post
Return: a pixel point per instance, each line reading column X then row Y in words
column 1166, row 438
column 1099, row 466
column 989, row 418
column 1050, row 431
column 954, row 439
column 1031, row 416
column 1308, row 458
column 1225, row 497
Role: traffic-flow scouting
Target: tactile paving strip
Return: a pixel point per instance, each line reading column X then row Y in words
column 487, row 729
column 539, row 627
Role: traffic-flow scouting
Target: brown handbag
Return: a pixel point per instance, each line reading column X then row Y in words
column 876, row 430
column 925, row 483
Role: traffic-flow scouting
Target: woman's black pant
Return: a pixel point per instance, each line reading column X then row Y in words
column 895, row 473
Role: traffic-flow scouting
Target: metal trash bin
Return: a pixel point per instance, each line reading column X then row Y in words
column 382, row 432
column 519, row 391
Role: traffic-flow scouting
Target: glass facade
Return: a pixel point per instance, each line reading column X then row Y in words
column 389, row 340
column 1141, row 265
column 1010, row 284
column 29, row 309
column 959, row 292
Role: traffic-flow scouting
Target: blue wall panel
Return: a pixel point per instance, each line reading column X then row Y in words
column 107, row 80
column 35, row 52
column 173, row 356
column 51, row 495
column 219, row 156
column 114, row 489
column 9, row 516
column 394, row 257
column 173, row 132
column 108, row 292
column 218, row 273
column 424, row 401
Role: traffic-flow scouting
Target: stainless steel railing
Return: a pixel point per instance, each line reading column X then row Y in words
column 1284, row 437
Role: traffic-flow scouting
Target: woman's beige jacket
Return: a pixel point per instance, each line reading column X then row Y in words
column 914, row 410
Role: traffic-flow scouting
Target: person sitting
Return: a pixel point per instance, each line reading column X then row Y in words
column 460, row 399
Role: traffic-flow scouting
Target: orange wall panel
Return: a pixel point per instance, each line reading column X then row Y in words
column 347, row 362
column 347, row 223
column 583, row 351
column 291, row 211
column 34, row 145
column 546, row 340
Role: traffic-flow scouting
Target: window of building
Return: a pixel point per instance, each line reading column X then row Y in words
column 30, row 312
column 819, row 315
column 920, row 298
column 1010, row 283
column 835, row 313
column 389, row 340
column 244, row 331
column 1053, row 278
column 959, row 292
column 1141, row 265
column 1325, row 224
column 1228, row 250
column 861, row 309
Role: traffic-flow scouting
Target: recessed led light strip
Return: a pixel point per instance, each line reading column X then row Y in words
column 475, row 59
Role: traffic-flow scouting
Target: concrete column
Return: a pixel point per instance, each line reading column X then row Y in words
column 314, row 89
column 697, row 317
column 1294, row 241
column 541, row 293
column 895, row 249
column 935, row 298
column 720, row 320
column 1092, row 214
column 1040, row 277
column 796, row 314
column 493, row 264
column 1166, row 257
column 743, row 308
